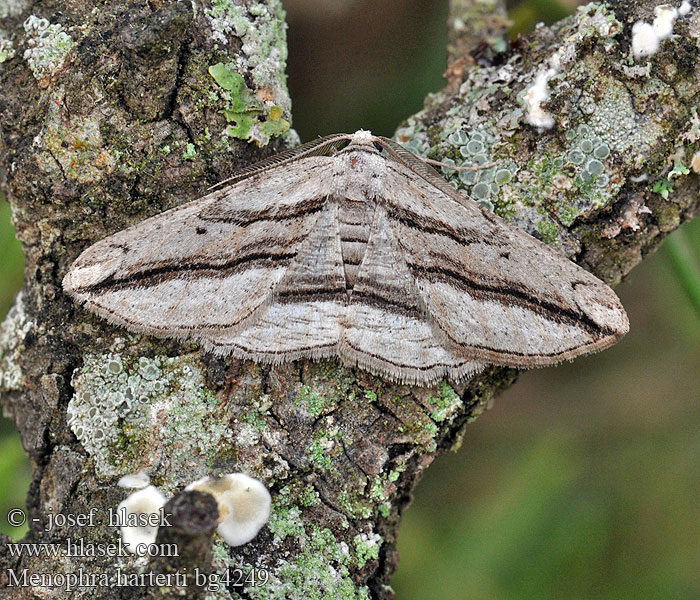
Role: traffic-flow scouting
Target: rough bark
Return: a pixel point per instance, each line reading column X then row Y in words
column 113, row 116
column 476, row 31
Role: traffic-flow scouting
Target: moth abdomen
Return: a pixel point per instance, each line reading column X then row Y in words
column 354, row 223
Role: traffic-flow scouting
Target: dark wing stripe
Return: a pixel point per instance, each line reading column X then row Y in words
column 315, row 295
column 384, row 359
column 373, row 299
column 243, row 217
column 425, row 224
column 510, row 296
column 163, row 273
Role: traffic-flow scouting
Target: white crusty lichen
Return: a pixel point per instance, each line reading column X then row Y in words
column 647, row 38
column 538, row 93
column 645, row 42
column 48, row 45
column 13, row 330
column 152, row 414
column 533, row 98
column 12, row 8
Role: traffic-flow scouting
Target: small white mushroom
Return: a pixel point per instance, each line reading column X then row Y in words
column 244, row 505
column 135, row 481
column 139, row 515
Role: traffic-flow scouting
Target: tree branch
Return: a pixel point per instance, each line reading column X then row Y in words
column 120, row 112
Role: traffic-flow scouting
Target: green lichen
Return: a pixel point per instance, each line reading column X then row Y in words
column 319, row 566
column 249, row 118
column 318, row 452
column 367, row 547
column 663, row 187
column 233, row 82
column 285, row 521
column 47, row 46
column 135, row 414
column 255, row 416
column 356, row 507
column 547, row 231
column 679, row 169
column 190, row 152
column 371, row 395
column 430, row 428
column 328, row 380
column 261, row 28
column 7, row 50
column 319, row 571
column 311, row 400
column 379, row 493
column 309, row 497
column 446, row 405
column 13, row 330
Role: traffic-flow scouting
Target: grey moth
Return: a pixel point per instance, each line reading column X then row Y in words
column 349, row 246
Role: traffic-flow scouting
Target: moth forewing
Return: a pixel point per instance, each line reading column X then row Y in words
column 351, row 247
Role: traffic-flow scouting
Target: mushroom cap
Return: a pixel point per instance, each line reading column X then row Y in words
column 135, row 481
column 244, row 505
column 143, row 502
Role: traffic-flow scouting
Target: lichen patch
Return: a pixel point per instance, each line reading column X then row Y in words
column 48, row 46
column 13, row 330
column 152, row 414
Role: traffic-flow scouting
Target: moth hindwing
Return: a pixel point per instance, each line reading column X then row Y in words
column 349, row 246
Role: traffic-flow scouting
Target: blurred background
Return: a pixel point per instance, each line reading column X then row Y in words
column 583, row 481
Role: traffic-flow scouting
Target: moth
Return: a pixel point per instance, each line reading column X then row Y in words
column 349, row 246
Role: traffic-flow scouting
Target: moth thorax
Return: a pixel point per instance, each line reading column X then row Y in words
column 354, row 221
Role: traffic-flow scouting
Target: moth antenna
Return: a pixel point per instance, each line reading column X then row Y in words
column 421, row 167
column 320, row 147
column 437, row 163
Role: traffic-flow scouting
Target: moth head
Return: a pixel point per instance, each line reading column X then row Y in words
column 364, row 140
column 244, row 505
column 362, row 135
